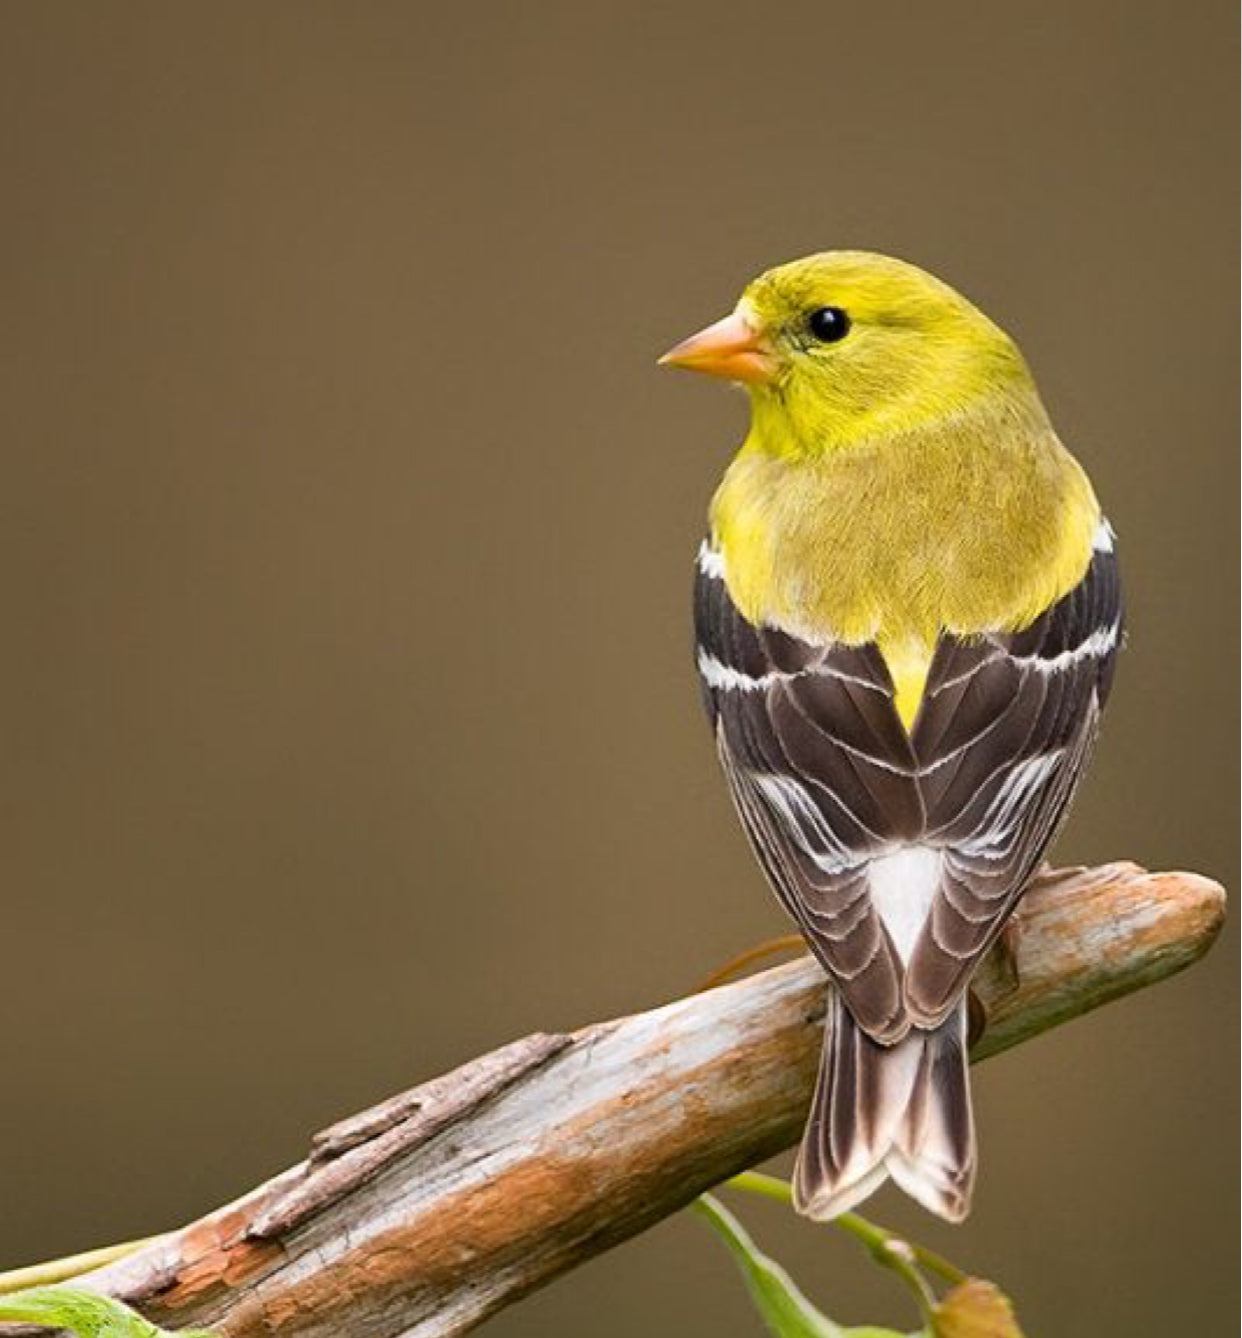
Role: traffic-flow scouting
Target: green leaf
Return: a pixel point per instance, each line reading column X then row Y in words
column 81, row 1313
column 782, row 1307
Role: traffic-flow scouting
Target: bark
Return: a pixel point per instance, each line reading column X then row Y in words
column 440, row 1206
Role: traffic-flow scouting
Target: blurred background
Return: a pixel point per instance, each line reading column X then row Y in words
column 351, row 721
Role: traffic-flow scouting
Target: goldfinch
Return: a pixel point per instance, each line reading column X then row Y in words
column 907, row 614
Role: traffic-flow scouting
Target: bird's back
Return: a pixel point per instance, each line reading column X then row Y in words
column 970, row 526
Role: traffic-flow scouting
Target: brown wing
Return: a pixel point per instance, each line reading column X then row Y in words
column 826, row 778
column 1003, row 735
column 823, row 776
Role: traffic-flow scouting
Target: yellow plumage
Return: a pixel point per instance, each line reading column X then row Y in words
column 902, row 483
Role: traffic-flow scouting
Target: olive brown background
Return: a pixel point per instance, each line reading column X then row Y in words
column 350, row 716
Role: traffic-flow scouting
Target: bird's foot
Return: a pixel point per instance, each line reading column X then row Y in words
column 1001, row 975
column 1006, row 951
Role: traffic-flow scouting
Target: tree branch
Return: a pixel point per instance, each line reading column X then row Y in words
column 444, row 1204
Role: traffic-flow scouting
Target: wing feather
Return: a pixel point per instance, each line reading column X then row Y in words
column 827, row 779
column 994, row 805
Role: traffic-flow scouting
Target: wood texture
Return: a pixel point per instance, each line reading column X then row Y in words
column 437, row 1208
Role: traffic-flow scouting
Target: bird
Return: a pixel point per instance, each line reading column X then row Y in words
column 907, row 614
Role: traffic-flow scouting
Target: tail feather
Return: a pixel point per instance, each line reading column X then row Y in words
column 901, row 1110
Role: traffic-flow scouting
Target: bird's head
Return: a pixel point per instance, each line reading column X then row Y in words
column 848, row 346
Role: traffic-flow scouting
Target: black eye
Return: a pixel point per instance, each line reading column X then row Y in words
column 828, row 324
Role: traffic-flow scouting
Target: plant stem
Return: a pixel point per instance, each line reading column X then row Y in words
column 885, row 1246
column 736, row 965
column 73, row 1266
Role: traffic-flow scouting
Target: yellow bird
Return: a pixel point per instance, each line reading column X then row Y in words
column 907, row 614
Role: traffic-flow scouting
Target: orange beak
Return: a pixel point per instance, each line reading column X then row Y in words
column 731, row 348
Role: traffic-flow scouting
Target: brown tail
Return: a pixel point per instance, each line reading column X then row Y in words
column 901, row 1110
